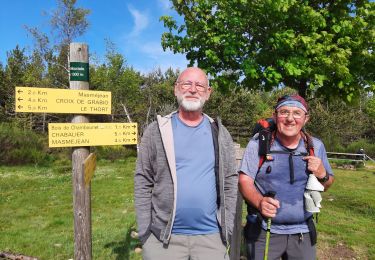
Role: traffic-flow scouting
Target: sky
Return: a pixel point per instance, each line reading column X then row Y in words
column 132, row 25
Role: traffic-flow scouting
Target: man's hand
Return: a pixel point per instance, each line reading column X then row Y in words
column 315, row 165
column 268, row 207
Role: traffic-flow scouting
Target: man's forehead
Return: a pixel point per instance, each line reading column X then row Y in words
column 192, row 72
column 290, row 108
column 193, row 76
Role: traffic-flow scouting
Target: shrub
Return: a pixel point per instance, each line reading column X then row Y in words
column 113, row 153
column 364, row 144
column 20, row 146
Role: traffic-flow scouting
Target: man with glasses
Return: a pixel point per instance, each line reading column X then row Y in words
column 284, row 173
column 186, row 179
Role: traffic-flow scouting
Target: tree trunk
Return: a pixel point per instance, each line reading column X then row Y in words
column 126, row 112
column 44, row 123
column 148, row 111
column 302, row 88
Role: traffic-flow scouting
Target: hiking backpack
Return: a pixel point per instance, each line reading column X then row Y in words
column 266, row 130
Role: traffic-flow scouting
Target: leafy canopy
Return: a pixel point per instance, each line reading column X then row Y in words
column 316, row 47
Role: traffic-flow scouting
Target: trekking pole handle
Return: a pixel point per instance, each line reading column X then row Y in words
column 270, row 194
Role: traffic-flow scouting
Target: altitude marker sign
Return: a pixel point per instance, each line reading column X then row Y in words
column 52, row 100
column 79, row 71
column 91, row 134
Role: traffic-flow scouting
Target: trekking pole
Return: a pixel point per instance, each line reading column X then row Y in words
column 270, row 194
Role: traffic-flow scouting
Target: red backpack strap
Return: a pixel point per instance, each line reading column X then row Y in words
column 262, row 158
column 308, row 142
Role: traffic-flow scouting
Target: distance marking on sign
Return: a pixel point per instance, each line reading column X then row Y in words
column 52, row 100
column 91, row 134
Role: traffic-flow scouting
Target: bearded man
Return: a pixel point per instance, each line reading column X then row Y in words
column 186, row 180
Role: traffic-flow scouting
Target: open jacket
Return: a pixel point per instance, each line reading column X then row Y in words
column 155, row 184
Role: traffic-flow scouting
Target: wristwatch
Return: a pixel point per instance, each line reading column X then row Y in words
column 324, row 179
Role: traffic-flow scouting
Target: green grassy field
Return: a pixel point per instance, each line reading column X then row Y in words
column 347, row 221
column 36, row 213
column 36, row 216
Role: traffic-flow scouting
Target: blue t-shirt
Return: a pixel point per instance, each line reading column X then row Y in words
column 275, row 175
column 196, row 183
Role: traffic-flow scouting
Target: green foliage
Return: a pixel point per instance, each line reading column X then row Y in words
column 320, row 49
column 113, row 153
column 239, row 111
column 370, row 107
column 339, row 124
column 20, row 146
column 244, row 45
column 368, row 147
column 123, row 81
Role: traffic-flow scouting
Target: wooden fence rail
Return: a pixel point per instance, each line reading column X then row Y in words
column 355, row 157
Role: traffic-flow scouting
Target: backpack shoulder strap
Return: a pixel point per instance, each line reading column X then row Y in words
column 266, row 139
column 307, row 138
column 308, row 142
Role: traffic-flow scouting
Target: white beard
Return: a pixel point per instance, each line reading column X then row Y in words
column 190, row 105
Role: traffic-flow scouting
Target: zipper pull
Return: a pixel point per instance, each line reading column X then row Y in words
column 300, row 237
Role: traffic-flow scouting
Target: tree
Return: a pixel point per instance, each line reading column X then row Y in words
column 320, row 48
column 3, row 95
column 67, row 23
column 15, row 75
column 239, row 109
column 158, row 95
column 123, row 82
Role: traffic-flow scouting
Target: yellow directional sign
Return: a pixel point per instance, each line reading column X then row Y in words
column 91, row 134
column 52, row 100
column 89, row 166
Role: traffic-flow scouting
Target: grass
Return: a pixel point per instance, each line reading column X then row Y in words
column 36, row 216
column 348, row 214
column 36, row 212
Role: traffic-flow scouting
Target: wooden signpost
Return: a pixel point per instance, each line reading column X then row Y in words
column 81, row 192
column 79, row 134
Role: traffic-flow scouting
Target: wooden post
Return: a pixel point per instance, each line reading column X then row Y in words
column 81, row 192
column 235, row 252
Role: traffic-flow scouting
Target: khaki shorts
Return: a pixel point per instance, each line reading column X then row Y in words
column 184, row 247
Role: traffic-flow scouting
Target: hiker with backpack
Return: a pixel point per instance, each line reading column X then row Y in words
column 281, row 173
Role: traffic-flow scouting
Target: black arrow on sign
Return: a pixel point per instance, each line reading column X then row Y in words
column 19, row 99
column 20, row 107
column 19, row 91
